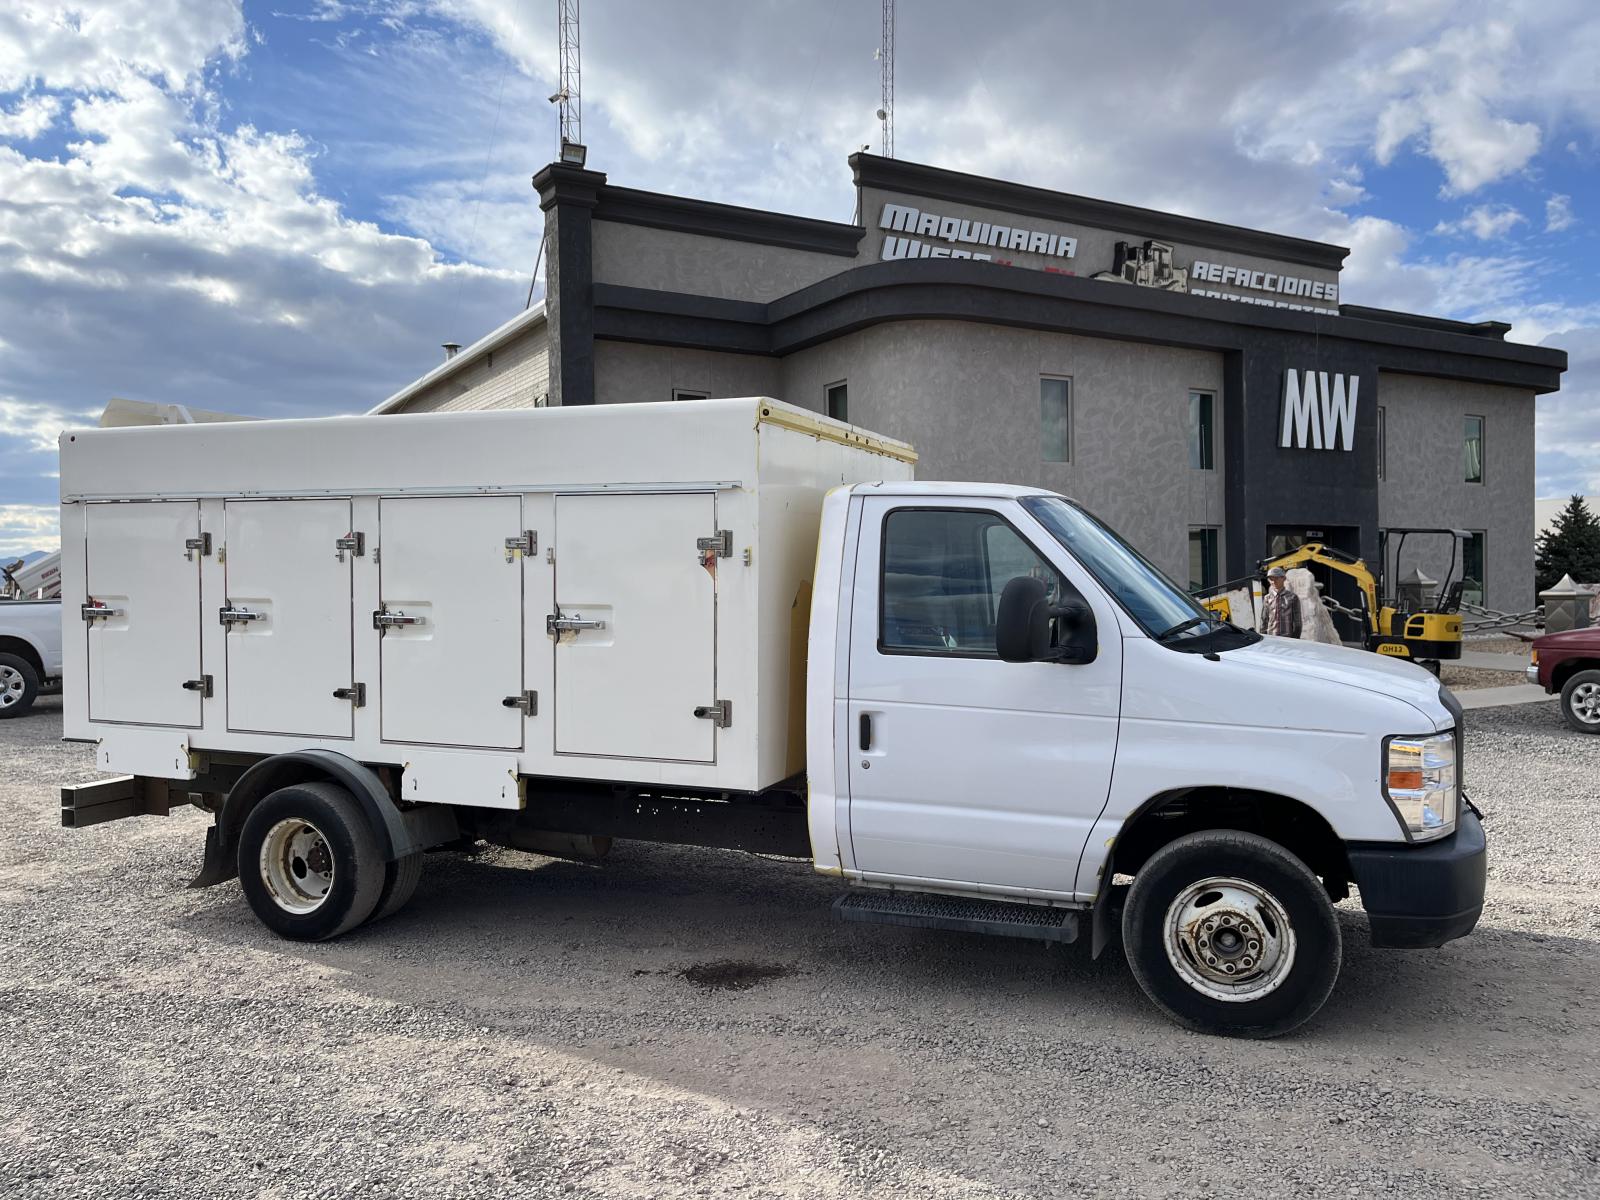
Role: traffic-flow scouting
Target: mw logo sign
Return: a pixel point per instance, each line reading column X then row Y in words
column 1319, row 410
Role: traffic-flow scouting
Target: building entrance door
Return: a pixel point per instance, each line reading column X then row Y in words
column 1336, row 585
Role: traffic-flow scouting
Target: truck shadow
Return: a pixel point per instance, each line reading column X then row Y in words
column 505, row 935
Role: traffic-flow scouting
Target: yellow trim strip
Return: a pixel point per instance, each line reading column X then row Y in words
column 828, row 431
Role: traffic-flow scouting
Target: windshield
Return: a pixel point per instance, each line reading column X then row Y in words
column 1159, row 605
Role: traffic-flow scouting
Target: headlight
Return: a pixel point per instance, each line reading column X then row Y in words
column 1419, row 781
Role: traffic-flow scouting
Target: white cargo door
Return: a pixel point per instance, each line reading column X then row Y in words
column 284, row 568
column 452, row 620
column 148, row 648
column 630, row 689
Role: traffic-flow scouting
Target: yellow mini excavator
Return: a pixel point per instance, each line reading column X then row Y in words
column 1399, row 622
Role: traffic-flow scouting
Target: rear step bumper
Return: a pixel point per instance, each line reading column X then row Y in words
column 959, row 913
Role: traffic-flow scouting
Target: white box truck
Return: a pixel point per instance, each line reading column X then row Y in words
column 733, row 623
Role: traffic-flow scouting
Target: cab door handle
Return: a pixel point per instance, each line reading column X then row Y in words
column 866, row 731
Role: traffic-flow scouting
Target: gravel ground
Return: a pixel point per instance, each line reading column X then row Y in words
column 1467, row 679
column 692, row 1023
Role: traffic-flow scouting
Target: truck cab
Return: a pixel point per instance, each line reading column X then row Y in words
column 1008, row 701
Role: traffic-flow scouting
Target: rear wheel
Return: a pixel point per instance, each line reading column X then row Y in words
column 1580, row 702
column 400, row 879
column 309, row 863
column 19, row 685
column 1231, row 934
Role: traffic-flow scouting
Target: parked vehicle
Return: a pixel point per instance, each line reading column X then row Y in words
column 1568, row 663
column 39, row 579
column 30, row 653
column 737, row 624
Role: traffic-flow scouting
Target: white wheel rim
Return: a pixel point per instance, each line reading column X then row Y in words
column 1585, row 703
column 12, row 685
column 296, row 866
column 1229, row 939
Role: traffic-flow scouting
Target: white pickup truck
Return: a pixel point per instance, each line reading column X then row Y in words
column 737, row 624
column 30, row 652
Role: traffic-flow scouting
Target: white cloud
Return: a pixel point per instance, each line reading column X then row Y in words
column 28, row 527
column 29, row 117
column 1484, row 222
column 1558, row 214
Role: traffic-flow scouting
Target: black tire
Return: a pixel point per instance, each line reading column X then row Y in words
column 1576, row 696
column 399, row 885
column 1230, row 854
column 19, row 686
column 343, row 840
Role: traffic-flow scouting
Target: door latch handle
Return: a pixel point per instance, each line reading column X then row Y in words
column 866, row 731
column 355, row 543
column 201, row 685
column 95, row 611
column 356, row 693
column 559, row 624
column 229, row 615
column 383, row 619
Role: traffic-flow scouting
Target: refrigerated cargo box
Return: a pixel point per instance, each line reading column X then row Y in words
column 617, row 592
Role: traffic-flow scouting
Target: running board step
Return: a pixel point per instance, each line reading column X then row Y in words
column 959, row 913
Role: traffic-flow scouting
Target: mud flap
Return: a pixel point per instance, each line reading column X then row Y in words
column 218, row 866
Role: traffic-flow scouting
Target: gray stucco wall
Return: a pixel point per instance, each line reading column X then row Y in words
column 1424, row 486
column 967, row 397
column 628, row 372
column 643, row 257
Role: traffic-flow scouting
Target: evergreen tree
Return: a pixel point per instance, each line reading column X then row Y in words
column 1571, row 546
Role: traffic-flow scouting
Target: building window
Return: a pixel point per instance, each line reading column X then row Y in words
column 1383, row 446
column 686, row 394
column 1202, row 558
column 1055, row 415
column 1202, row 406
column 1473, row 432
column 1472, row 569
column 836, row 400
column 943, row 572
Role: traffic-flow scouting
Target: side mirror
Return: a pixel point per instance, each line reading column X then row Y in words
column 1028, row 628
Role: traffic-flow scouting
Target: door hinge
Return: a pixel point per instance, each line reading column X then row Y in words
column 229, row 615
column 383, row 619
column 94, row 610
column 201, row 685
column 719, row 544
column 356, row 693
column 527, row 544
column 355, row 543
column 200, row 545
column 719, row 714
column 528, row 702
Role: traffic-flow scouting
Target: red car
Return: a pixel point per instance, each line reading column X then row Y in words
column 1569, row 663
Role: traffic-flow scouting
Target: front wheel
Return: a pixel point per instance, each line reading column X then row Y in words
column 1580, row 702
column 19, row 685
column 1231, row 934
column 309, row 862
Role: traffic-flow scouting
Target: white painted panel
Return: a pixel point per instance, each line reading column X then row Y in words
column 445, row 680
column 630, row 690
column 140, row 658
column 283, row 669
column 476, row 778
column 163, row 753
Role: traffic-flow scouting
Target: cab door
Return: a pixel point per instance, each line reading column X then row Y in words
column 963, row 768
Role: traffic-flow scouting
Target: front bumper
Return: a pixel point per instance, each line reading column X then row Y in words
column 1426, row 895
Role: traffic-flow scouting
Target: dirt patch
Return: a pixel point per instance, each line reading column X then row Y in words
column 732, row 975
column 1466, row 679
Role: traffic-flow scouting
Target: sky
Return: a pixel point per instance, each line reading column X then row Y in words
column 283, row 208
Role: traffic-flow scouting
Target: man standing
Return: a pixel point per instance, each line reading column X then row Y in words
column 1280, row 615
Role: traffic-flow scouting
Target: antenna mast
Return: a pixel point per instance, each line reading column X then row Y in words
column 886, row 66
column 570, row 96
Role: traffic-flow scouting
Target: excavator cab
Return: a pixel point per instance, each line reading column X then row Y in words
column 1411, row 623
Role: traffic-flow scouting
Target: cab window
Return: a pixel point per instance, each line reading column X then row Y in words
column 943, row 572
